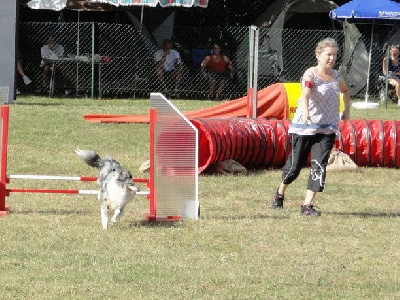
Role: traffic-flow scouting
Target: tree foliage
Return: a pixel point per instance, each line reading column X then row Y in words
column 228, row 12
column 222, row 13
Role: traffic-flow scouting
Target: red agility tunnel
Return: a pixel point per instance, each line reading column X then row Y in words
column 262, row 143
column 254, row 143
column 372, row 143
column 277, row 101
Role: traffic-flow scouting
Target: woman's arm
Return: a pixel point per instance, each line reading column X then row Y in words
column 204, row 63
column 307, row 84
column 384, row 63
column 346, row 98
column 229, row 66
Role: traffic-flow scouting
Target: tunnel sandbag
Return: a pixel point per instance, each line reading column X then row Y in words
column 263, row 143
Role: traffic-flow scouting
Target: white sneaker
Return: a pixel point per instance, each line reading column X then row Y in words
column 17, row 92
column 27, row 80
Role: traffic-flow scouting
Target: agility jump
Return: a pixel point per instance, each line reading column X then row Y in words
column 173, row 178
column 5, row 179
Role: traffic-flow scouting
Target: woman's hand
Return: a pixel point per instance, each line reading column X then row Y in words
column 305, row 118
column 346, row 115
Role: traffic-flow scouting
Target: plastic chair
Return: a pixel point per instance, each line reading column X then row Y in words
column 381, row 87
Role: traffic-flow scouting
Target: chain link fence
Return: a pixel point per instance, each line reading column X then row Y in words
column 124, row 65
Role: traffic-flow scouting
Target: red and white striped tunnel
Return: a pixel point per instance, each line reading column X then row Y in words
column 262, row 143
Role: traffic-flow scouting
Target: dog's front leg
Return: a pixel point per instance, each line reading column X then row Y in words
column 119, row 212
column 104, row 214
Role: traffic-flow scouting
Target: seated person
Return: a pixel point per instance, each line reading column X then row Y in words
column 52, row 51
column 393, row 68
column 215, row 68
column 169, row 66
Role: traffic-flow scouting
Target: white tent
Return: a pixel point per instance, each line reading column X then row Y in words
column 47, row 4
column 60, row 4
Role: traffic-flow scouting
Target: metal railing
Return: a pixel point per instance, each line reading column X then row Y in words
column 128, row 69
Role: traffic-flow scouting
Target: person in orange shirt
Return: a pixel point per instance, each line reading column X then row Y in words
column 215, row 67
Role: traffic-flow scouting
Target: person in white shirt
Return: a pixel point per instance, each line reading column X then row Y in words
column 52, row 51
column 169, row 66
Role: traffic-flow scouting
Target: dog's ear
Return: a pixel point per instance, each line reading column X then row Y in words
column 120, row 175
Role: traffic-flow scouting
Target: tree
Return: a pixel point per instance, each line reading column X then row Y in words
column 222, row 13
column 227, row 12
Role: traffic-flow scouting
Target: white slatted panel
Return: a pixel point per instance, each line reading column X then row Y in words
column 176, row 161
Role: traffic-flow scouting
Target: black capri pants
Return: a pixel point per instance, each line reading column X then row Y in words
column 320, row 146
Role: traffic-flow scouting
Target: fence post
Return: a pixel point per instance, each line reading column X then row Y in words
column 252, row 72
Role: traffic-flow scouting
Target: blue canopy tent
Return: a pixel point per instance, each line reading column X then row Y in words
column 367, row 12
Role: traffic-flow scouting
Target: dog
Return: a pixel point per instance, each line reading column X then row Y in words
column 117, row 188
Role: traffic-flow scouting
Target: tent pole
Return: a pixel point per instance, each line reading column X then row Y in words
column 387, row 72
column 141, row 18
column 93, row 41
column 369, row 62
column 78, row 37
column 77, row 53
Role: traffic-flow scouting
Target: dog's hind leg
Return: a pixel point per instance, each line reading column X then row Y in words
column 104, row 214
column 118, row 213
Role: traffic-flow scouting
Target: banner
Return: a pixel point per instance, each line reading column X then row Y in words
column 184, row 3
column 201, row 3
column 152, row 3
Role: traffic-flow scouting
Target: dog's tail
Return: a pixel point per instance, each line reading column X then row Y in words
column 90, row 157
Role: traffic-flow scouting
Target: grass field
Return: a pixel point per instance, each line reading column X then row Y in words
column 53, row 247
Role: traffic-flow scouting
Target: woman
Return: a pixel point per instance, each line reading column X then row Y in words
column 394, row 68
column 314, row 125
column 217, row 66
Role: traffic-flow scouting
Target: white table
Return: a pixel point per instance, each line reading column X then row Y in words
column 59, row 61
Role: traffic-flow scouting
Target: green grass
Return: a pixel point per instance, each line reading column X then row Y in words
column 53, row 247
